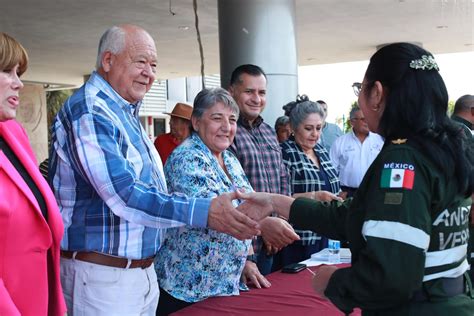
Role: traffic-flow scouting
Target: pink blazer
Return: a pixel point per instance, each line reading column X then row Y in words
column 29, row 246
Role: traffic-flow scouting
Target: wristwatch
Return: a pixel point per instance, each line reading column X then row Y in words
column 252, row 258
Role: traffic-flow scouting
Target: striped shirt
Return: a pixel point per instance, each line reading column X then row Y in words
column 108, row 178
column 305, row 176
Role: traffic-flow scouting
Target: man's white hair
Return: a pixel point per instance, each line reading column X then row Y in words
column 113, row 40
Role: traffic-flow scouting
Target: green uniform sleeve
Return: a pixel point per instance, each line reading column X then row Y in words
column 321, row 217
column 389, row 231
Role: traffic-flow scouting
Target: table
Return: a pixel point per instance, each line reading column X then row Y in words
column 290, row 294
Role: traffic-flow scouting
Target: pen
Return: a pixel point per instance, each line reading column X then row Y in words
column 310, row 271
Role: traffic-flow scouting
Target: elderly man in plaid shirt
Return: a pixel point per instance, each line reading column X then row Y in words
column 110, row 187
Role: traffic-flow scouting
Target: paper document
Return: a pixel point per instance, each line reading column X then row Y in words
column 321, row 257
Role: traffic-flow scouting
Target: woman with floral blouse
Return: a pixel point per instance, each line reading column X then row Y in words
column 196, row 263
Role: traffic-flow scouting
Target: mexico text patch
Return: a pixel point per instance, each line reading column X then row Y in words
column 397, row 175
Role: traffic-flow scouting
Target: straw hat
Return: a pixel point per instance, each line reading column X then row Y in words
column 182, row 110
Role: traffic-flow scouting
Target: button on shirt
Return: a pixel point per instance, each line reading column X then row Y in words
column 351, row 158
column 108, row 179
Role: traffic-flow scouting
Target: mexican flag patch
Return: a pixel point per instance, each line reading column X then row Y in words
column 397, row 178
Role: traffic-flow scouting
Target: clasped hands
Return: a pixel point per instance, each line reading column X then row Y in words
column 246, row 221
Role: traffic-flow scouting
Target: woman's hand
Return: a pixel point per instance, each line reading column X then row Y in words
column 277, row 232
column 343, row 195
column 323, row 196
column 250, row 274
column 326, row 196
column 321, row 279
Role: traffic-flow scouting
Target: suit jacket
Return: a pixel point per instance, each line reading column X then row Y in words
column 29, row 245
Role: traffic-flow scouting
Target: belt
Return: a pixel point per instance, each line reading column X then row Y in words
column 451, row 286
column 106, row 260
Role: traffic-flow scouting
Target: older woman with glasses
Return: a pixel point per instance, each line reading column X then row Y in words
column 197, row 263
column 30, row 224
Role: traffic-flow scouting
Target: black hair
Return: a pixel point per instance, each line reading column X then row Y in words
column 249, row 69
column 416, row 109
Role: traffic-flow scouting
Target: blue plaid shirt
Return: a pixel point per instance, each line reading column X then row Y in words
column 108, row 178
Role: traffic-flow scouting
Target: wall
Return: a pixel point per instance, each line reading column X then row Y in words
column 32, row 115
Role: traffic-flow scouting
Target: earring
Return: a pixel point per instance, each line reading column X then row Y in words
column 376, row 108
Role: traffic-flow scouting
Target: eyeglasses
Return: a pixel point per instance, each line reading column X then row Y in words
column 357, row 87
column 362, row 119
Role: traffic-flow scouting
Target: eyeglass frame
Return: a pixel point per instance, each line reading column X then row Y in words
column 357, row 87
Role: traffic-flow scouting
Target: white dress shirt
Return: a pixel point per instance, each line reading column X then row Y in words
column 351, row 158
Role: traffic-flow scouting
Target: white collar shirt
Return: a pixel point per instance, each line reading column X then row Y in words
column 352, row 158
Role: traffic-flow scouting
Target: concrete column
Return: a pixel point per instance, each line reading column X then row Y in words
column 261, row 32
column 32, row 114
column 193, row 87
column 176, row 91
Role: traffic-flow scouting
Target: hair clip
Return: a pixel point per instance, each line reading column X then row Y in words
column 425, row 62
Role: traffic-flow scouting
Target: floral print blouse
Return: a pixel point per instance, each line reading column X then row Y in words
column 196, row 263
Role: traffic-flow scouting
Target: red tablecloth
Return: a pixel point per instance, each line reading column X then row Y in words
column 290, row 294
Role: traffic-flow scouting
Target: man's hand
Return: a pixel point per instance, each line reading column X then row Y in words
column 321, row 279
column 224, row 218
column 250, row 274
column 277, row 232
column 259, row 205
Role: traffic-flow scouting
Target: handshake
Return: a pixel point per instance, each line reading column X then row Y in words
column 250, row 218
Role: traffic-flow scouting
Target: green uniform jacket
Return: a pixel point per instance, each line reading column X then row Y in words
column 467, row 128
column 407, row 227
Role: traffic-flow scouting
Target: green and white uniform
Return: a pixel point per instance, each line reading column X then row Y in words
column 408, row 230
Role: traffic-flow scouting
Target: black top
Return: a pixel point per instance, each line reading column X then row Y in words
column 25, row 175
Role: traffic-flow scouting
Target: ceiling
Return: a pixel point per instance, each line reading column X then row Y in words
column 61, row 37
